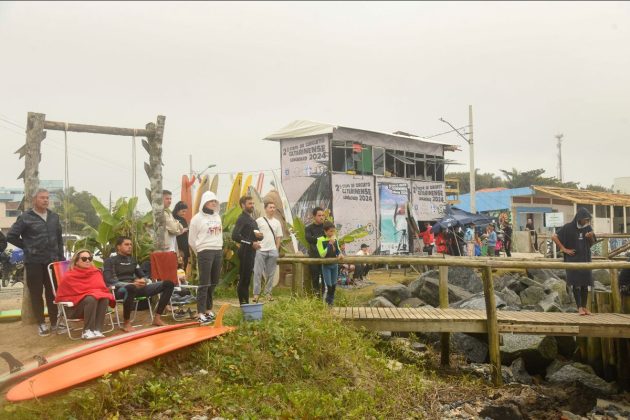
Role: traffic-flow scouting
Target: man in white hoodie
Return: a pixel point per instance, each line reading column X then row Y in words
column 205, row 237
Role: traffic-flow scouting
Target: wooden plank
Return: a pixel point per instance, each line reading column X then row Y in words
column 538, row 329
column 97, row 129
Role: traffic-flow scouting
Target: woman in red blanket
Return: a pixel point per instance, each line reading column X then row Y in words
column 84, row 286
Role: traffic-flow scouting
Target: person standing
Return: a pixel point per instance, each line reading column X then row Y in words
column 173, row 227
column 469, row 238
column 247, row 236
column 328, row 247
column 38, row 232
column 312, row 232
column 507, row 237
column 427, row 239
column 362, row 270
column 205, row 238
column 575, row 240
column 491, row 237
column 267, row 255
column 3, row 242
column 179, row 214
column 533, row 235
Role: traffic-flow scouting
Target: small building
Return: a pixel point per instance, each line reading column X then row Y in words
column 367, row 178
column 11, row 201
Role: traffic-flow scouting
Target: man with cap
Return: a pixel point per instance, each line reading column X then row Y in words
column 361, row 270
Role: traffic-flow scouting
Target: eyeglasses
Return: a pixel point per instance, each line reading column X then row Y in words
column 85, row 259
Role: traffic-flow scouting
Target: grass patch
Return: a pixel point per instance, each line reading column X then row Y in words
column 299, row 362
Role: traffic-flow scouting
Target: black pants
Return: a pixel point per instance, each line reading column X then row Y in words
column 129, row 292
column 507, row 246
column 209, row 262
column 247, row 257
column 37, row 281
column 316, row 275
column 580, row 293
column 361, row 270
column 92, row 311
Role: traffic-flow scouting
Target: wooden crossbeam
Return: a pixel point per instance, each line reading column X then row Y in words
column 97, row 129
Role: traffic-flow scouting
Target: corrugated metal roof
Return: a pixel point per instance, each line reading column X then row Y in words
column 586, row 196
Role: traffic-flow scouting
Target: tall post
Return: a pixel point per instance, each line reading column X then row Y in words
column 559, row 137
column 445, row 338
column 35, row 134
column 473, row 204
column 154, row 171
column 493, row 327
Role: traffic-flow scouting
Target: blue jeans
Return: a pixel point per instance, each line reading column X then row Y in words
column 330, row 272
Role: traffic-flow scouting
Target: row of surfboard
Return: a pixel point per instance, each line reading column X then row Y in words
column 91, row 361
column 241, row 186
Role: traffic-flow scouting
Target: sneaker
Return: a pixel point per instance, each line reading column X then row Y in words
column 203, row 319
column 210, row 315
column 88, row 335
column 98, row 334
column 43, row 330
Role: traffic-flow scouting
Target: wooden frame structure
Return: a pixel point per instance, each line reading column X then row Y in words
column 446, row 320
column 35, row 133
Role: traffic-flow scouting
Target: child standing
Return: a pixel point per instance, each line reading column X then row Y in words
column 328, row 247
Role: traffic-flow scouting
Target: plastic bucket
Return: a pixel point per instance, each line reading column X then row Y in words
column 252, row 311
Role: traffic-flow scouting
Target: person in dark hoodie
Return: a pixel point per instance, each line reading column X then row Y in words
column 182, row 239
column 575, row 240
column 312, row 232
column 247, row 236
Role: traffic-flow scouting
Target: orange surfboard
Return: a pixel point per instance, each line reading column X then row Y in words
column 111, row 359
column 186, row 195
column 33, row 368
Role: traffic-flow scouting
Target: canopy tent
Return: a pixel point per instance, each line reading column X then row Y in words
column 455, row 217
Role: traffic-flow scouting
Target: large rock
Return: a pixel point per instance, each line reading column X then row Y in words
column 412, row 302
column 560, row 287
column 395, row 293
column 380, row 302
column 550, row 303
column 532, row 295
column 507, row 280
column 520, row 373
column 428, row 290
column 527, row 282
column 466, row 278
column 602, row 276
column 597, row 286
column 570, row 374
column 567, row 345
column 541, row 274
column 510, row 297
column 478, row 301
column 475, row 350
column 536, row 351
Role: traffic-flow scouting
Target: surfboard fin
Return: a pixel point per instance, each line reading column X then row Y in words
column 218, row 322
column 14, row 364
column 41, row 360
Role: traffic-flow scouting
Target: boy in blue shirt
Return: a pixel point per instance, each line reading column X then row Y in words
column 328, row 247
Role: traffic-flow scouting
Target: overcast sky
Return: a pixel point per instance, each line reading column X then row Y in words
column 227, row 74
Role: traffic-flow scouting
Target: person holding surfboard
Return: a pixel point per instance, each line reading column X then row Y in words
column 267, row 255
column 84, row 286
column 205, row 238
column 123, row 272
column 247, row 236
column 38, row 232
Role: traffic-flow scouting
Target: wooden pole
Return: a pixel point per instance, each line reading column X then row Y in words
column 35, row 134
column 614, row 291
column 154, row 171
column 493, row 327
column 297, row 285
column 445, row 338
column 98, row 129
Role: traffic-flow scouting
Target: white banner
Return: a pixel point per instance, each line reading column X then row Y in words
column 354, row 206
column 393, row 196
column 428, row 200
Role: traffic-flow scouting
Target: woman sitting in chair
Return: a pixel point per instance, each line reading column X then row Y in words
column 84, row 286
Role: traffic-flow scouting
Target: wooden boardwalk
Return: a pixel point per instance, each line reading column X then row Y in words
column 427, row 319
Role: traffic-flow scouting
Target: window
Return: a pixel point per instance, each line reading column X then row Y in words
column 410, row 168
column 338, row 156
column 351, row 156
column 390, row 163
column 439, row 169
column 379, row 160
column 602, row 211
column 419, row 158
column 430, row 173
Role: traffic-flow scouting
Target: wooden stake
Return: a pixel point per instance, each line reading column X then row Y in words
column 445, row 338
column 493, row 327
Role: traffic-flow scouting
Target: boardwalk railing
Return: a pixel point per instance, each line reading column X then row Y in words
column 486, row 265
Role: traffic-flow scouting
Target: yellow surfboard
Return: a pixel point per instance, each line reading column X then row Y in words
column 259, row 206
column 246, row 184
column 201, row 188
column 214, row 185
column 235, row 192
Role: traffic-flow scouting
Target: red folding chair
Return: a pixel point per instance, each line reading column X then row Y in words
column 164, row 267
column 56, row 270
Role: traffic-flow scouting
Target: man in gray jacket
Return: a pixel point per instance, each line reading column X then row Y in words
column 38, row 232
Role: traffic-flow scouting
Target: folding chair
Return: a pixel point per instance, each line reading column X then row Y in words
column 164, row 267
column 56, row 270
column 137, row 300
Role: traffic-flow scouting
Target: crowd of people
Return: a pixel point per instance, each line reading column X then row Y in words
column 91, row 291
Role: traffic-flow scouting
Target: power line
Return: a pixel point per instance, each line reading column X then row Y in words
column 446, row 132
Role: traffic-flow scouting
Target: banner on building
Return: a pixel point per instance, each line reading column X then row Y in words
column 354, row 206
column 392, row 204
column 428, row 200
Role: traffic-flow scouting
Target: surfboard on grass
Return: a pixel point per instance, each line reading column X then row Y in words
column 32, row 368
column 11, row 315
column 114, row 358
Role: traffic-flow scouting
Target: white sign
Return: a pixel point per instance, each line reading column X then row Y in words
column 428, row 200
column 554, row 219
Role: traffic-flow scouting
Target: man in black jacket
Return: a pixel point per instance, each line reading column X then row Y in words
column 38, row 232
column 123, row 272
column 312, row 232
column 247, row 236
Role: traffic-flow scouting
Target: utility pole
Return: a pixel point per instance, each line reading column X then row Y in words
column 469, row 140
column 473, row 203
column 559, row 138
